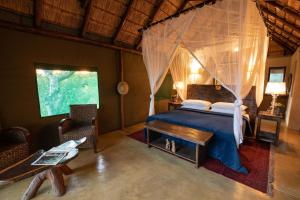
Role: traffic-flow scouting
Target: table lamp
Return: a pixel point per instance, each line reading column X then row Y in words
column 275, row 89
column 180, row 86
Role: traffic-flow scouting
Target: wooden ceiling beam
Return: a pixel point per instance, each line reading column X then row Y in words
column 182, row 6
column 280, row 43
column 283, row 31
column 84, row 3
column 122, row 22
column 59, row 35
column 284, row 41
column 154, row 11
column 286, row 8
column 38, row 4
column 88, row 7
column 286, row 23
column 200, row 5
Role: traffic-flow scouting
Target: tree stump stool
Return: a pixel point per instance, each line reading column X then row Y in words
column 55, row 175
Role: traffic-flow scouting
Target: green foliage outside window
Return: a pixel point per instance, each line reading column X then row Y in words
column 58, row 89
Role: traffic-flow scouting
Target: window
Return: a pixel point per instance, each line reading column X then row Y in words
column 276, row 74
column 59, row 87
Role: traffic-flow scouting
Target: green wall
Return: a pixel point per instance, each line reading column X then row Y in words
column 19, row 102
column 165, row 90
column 136, row 102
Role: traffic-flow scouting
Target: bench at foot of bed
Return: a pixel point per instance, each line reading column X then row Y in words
column 159, row 132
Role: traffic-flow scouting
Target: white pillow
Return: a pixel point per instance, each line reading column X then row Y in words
column 196, row 102
column 226, row 106
column 228, row 111
column 196, row 107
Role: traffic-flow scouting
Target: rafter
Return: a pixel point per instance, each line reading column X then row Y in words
column 88, row 7
column 154, row 11
column 84, row 3
column 281, row 6
column 60, row 35
column 122, row 22
column 200, row 5
column 181, row 7
column 286, row 23
column 284, row 41
column 280, row 43
column 283, row 31
column 38, row 13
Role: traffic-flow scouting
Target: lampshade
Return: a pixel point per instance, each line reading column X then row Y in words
column 178, row 85
column 276, row 88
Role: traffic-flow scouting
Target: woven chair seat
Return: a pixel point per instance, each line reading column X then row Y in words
column 81, row 131
column 78, row 133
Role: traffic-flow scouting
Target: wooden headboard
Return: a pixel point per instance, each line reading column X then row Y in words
column 209, row 93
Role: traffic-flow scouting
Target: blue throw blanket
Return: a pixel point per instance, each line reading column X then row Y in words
column 222, row 146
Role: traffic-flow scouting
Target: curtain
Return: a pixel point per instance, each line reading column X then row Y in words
column 179, row 71
column 159, row 45
column 229, row 41
column 185, row 69
column 230, row 46
column 260, row 76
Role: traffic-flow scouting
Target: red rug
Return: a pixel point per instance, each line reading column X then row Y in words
column 255, row 156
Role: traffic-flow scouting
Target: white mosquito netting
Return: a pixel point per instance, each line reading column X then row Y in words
column 228, row 39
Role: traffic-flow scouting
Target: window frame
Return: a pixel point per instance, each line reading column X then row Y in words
column 46, row 66
column 276, row 68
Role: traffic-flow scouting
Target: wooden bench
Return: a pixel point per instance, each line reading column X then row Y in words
column 199, row 138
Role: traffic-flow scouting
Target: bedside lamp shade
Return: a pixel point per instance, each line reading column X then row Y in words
column 277, row 88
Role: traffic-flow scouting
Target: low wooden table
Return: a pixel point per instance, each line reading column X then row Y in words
column 24, row 169
column 200, row 138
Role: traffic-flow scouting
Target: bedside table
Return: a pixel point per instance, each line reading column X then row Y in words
column 174, row 105
column 264, row 135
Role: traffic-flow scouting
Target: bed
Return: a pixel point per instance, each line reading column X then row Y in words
column 222, row 145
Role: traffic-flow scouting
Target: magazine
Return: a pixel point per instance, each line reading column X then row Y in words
column 56, row 154
column 49, row 158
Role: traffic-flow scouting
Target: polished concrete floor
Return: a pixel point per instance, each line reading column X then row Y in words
column 126, row 169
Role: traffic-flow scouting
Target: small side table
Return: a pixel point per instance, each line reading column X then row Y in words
column 264, row 135
column 174, row 105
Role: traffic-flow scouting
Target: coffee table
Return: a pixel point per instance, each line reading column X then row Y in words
column 24, row 169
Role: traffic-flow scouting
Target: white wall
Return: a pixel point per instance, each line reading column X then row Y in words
column 293, row 107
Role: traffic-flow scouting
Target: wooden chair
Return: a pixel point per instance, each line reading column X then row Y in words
column 82, row 122
column 14, row 145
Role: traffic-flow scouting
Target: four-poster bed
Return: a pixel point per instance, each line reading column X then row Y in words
column 229, row 41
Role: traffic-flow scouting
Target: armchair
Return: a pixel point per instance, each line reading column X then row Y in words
column 14, row 145
column 82, row 122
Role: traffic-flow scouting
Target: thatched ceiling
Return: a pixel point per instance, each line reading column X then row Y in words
column 117, row 22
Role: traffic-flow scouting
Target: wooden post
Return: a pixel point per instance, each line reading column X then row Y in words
column 122, row 96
